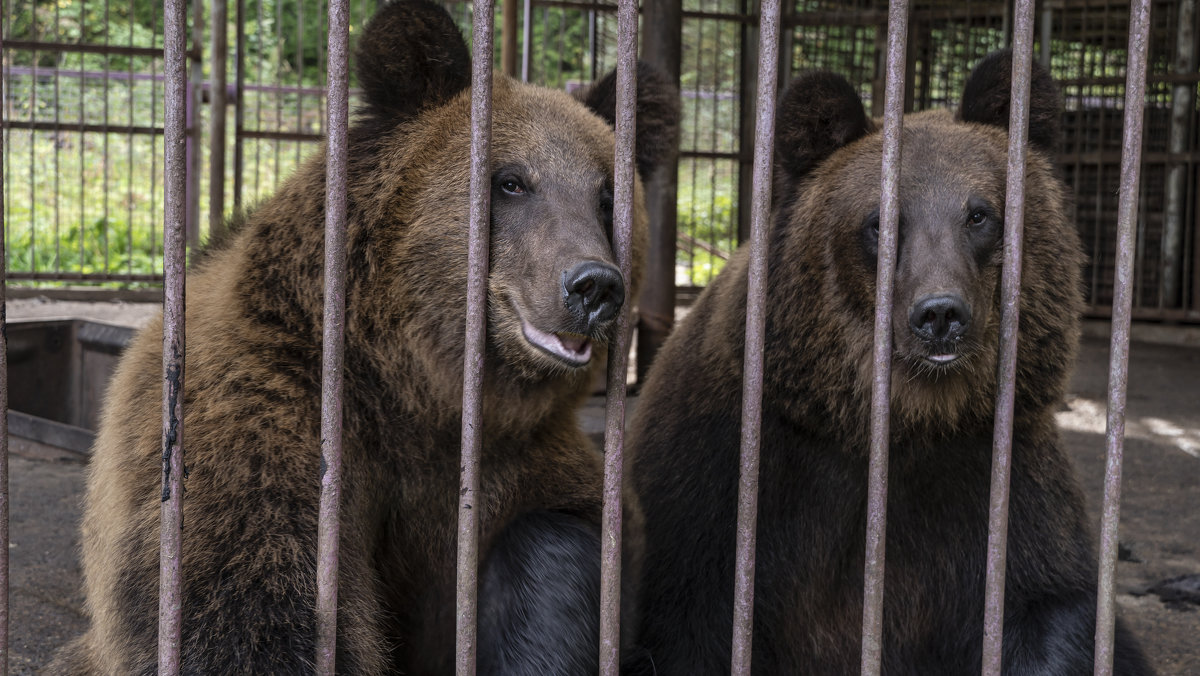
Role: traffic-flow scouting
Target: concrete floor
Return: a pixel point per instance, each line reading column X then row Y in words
column 1160, row 517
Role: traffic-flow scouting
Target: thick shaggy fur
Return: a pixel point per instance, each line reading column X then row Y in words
column 252, row 410
column 816, row 399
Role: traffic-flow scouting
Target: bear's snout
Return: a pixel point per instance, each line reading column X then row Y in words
column 594, row 292
column 941, row 319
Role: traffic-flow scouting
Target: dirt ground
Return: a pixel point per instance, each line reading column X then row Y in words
column 1160, row 513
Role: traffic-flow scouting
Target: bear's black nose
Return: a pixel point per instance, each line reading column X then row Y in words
column 944, row 317
column 594, row 292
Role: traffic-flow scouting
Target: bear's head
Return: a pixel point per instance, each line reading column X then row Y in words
column 946, row 310
column 554, row 288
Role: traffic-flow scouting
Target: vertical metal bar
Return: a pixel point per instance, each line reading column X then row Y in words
column 526, row 38
column 1118, row 364
column 195, row 154
column 618, row 355
column 239, row 101
column 881, row 388
column 662, row 47
column 1176, row 203
column 170, row 601
column 752, row 378
column 216, row 141
column 508, row 37
column 1006, row 375
column 333, row 343
column 104, row 145
column 476, row 325
column 132, row 83
column 3, row 395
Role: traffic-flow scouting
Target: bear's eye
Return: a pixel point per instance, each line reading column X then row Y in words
column 512, row 186
column 977, row 217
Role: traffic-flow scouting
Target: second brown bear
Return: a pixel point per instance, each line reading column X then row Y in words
column 816, row 400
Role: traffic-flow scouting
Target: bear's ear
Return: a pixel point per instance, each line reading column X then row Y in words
column 818, row 113
column 657, row 132
column 411, row 56
column 988, row 92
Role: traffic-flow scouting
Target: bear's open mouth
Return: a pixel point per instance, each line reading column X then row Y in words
column 571, row 348
column 943, row 359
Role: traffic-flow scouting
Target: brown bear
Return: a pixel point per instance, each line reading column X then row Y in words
column 252, row 407
column 816, row 400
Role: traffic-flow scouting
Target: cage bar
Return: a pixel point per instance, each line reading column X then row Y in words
column 333, row 333
column 476, row 325
column 881, row 385
column 1118, row 368
column 1006, row 375
column 217, row 107
column 618, row 355
column 752, row 370
column 3, row 398
column 170, row 601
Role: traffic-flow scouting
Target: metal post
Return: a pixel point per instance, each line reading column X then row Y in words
column 508, row 37
column 618, row 355
column 746, row 96
column 239, row 103
column 1006, row 375
column 217, row 98
column 662, row 47
column 526, row 37
column 1118, row 360
column 752, row 370
column 333, row 334
column 881, row 386
column 3, row 398
column 1175, row 205
column 192, row 122
column 170, row 601
column 477, row 270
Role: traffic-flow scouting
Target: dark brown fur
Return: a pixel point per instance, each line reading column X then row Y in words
column 252, row 382
column 816, row 399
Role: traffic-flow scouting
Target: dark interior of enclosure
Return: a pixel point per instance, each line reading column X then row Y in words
column 58, row 370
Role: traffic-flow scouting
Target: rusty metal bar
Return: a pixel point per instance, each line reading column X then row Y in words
column 83, row 277
column 1006, row 372
column 752, row 377
column 3, row 401
column 881, row 387
column 170, row 601
column 217, row 103
column 333, row 334
column 476, row 325
column 81, row 48
column 1118, row 361
column 618, row 354
column 239, row 101
column 96, row 128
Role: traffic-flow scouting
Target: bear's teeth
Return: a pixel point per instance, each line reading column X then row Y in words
column 942, row 358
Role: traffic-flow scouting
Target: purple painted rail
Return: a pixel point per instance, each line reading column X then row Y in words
column 333, row 343
column 170, row 608
column 477, row 271
column 881, row 386
column 752, row 375
column 1118, row 365
column 618, row 355
column 1010, row 298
